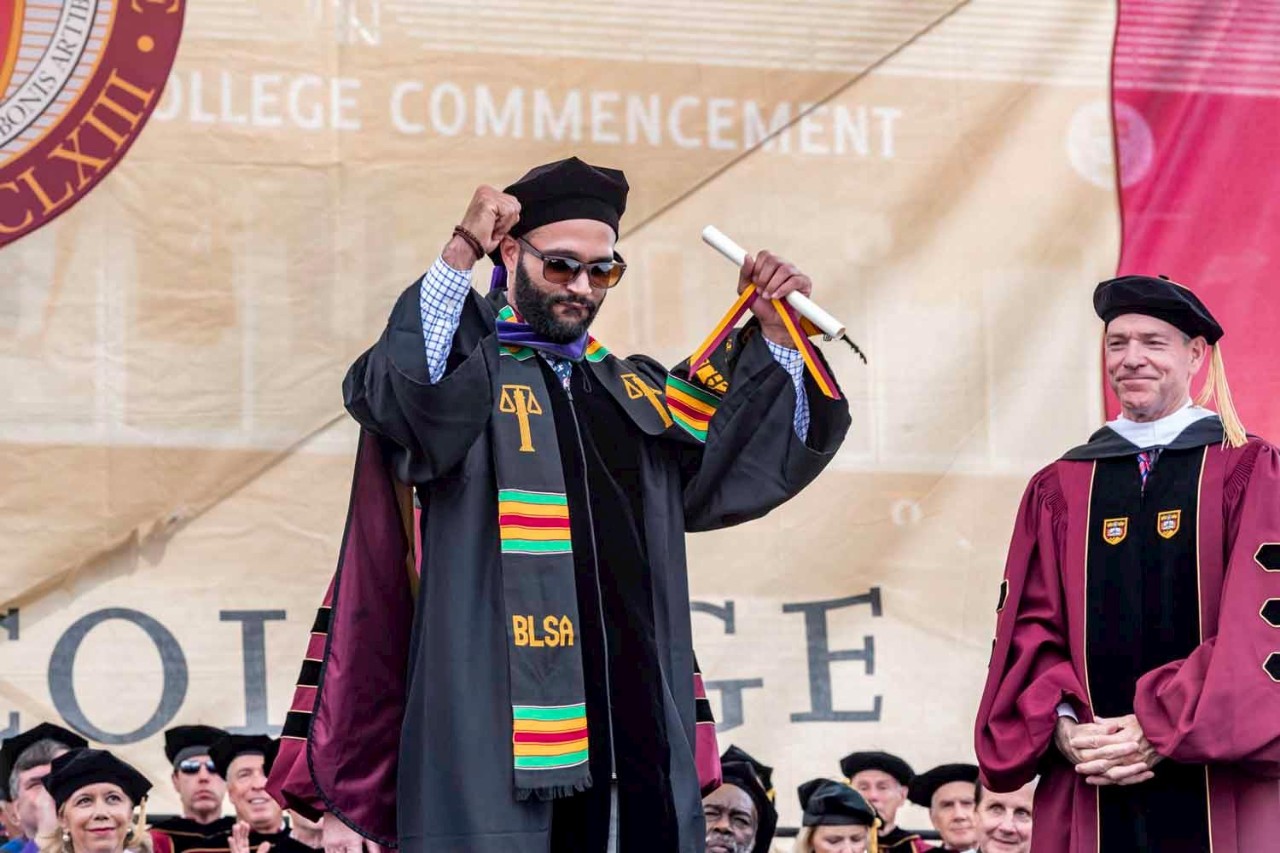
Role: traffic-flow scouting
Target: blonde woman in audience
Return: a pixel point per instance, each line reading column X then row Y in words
column 837, row 819
column 101, row 805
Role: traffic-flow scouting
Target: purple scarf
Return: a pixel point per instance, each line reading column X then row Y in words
column 523, row 335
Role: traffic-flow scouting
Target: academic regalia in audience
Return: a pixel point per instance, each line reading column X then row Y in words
column 186, row 835
column 856, row 762
column 80, row 768
column 743, row 771
column 825, row 802
column 925, row 785
column 12, row 748
column 896, row 839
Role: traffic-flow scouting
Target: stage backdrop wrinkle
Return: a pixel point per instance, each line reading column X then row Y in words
column 172, row 474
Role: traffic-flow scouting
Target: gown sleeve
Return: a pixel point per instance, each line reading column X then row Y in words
column 753, row 460
column 390, row 390
column 1030, row 672
column 1212, row 706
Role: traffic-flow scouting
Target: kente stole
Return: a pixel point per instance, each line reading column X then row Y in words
column 548, row 698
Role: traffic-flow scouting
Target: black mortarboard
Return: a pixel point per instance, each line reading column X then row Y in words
column 183, row 742
column 13, row 748
column 924, row 786
column 829, row 803
column 1159, row 298
column 73, row 770
column 740, row 769
column 568, row 189
column 231, row 747
column 855, row 762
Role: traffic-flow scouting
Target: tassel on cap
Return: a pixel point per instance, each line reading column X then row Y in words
column 1217, row 391
column 139, row 827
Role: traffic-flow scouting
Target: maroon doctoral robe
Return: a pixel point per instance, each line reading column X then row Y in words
column 1179, row 625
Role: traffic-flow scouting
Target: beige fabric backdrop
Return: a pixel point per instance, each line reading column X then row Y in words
column 173, row 442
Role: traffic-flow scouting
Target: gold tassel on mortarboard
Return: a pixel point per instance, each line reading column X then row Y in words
column 1216, row 389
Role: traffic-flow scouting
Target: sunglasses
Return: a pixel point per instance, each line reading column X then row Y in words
column 558, row 269
column 191, row 766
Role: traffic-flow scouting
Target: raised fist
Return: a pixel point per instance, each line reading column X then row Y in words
column 490, row 215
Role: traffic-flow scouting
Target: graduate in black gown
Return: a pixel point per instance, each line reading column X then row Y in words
column 547, row 691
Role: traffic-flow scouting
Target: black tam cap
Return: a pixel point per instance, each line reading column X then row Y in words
column 855, row 762
column 741, row 770
column 183, row 742
column 231, row 747
column 1156, row 297
column 74, row 770
column 13, row 748
column 924, row 786
column 568, row 189
column 828, row 803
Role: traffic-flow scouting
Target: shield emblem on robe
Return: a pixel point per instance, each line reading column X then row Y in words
column 1114, row 530
column 10, row 40
column 1169, row 523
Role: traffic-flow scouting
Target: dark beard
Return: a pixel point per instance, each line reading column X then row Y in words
column 536, row 308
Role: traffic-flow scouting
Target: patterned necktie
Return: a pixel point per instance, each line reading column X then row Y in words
column 1147, row 461
column 562, row 367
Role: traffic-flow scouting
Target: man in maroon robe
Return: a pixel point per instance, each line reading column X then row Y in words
column 1136, row 664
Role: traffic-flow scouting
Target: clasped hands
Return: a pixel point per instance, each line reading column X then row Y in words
column 1108, row 751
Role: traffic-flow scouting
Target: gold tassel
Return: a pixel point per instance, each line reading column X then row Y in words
column 138, row 838
column 1217, row 390
column 873, row 844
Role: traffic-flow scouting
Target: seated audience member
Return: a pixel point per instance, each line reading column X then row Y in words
column 200, row 789
column 740, row 813
column 882, row 780
column 837, row 819
column 10, row 829
column 949, row 793
column 1004, row 820
column 244, row 762
column 100, row 803
column 24, row 762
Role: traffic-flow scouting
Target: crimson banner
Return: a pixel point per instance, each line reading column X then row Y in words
column 1196, row 101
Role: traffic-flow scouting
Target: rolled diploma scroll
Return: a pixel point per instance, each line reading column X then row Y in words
column 830, row 326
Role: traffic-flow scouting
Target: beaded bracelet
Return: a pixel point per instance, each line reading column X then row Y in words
column 471, row 240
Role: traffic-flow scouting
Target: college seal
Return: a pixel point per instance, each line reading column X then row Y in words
column 78, row 80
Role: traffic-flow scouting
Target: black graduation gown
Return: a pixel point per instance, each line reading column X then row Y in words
column 281, row 842
column 188, row 836
column 639, row 496
column 901, row 841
